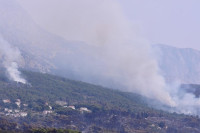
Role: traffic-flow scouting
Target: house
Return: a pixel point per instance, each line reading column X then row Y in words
column 18, row 100
column 50, row 107
column 18, row 103
column 6, row 109
column 16, row 115
column 84, row 109
column 10, row 111
column 45, row 112
column 23, row 114
column 6, row 101
column 25, row 105
column 72, row 107
column 16, row 111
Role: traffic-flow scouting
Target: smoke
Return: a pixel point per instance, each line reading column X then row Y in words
column 10, row 56
column 186, row 101
column 116, row 54
column 113, row 52
column 188, row 104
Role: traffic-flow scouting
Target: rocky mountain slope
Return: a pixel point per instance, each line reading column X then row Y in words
column 36, row 45
column 179, row 64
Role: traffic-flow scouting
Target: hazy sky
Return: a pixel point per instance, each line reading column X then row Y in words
column 172, row 22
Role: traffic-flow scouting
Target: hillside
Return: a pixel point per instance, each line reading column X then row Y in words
column 54, row 102
column 52, row 88
column 37, row 46
column 179, row 64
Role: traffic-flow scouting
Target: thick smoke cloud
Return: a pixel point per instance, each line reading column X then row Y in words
column 112, row 54
column 10, row 57
column 116, row 55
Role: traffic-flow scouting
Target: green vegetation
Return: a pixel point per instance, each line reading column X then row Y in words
column 109, row 110
column 47, row 88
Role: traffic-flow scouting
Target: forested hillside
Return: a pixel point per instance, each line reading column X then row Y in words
column 49, row 101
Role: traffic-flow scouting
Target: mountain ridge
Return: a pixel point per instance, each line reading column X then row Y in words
column 178, row 64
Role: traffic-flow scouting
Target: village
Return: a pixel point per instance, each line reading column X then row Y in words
column 18, row 111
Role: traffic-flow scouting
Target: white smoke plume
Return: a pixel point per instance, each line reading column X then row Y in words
column 186, row 102
column 10, row 57
column 117, row 55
